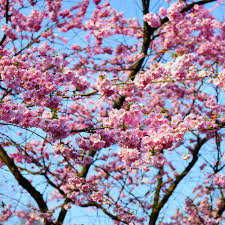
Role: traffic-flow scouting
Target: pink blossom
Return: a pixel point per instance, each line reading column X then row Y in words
column 152, row 19
column 6, row 213
column 186, row 156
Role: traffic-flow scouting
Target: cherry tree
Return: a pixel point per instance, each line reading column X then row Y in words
column 112, row 113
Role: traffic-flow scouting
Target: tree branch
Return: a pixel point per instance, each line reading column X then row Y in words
column 63, row 212
column 6, row 20
column 156, row 210
column 222, row 209
column 99, row 206
column 157, row 193
column 148, row 38
column 83, row 174
column 37, row 196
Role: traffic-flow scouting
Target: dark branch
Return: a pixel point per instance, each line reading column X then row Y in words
column 99, row 206
column 83, row 174
column 6, row 20
column 179, row 178
column 157, row 193
column 148, row 38
column 37, row 196
column 63, row 212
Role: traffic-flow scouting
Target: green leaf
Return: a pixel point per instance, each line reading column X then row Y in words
column 54, row 113
column 2, row 204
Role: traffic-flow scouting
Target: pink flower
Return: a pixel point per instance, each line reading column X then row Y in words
column 9, row 32
column 173, row 11
column 5, row 214
column 152, row 19
column 97, row 1
column 162, row 11
column 186, row 156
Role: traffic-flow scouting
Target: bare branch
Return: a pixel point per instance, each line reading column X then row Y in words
column 179, row 178
column 37, row 196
